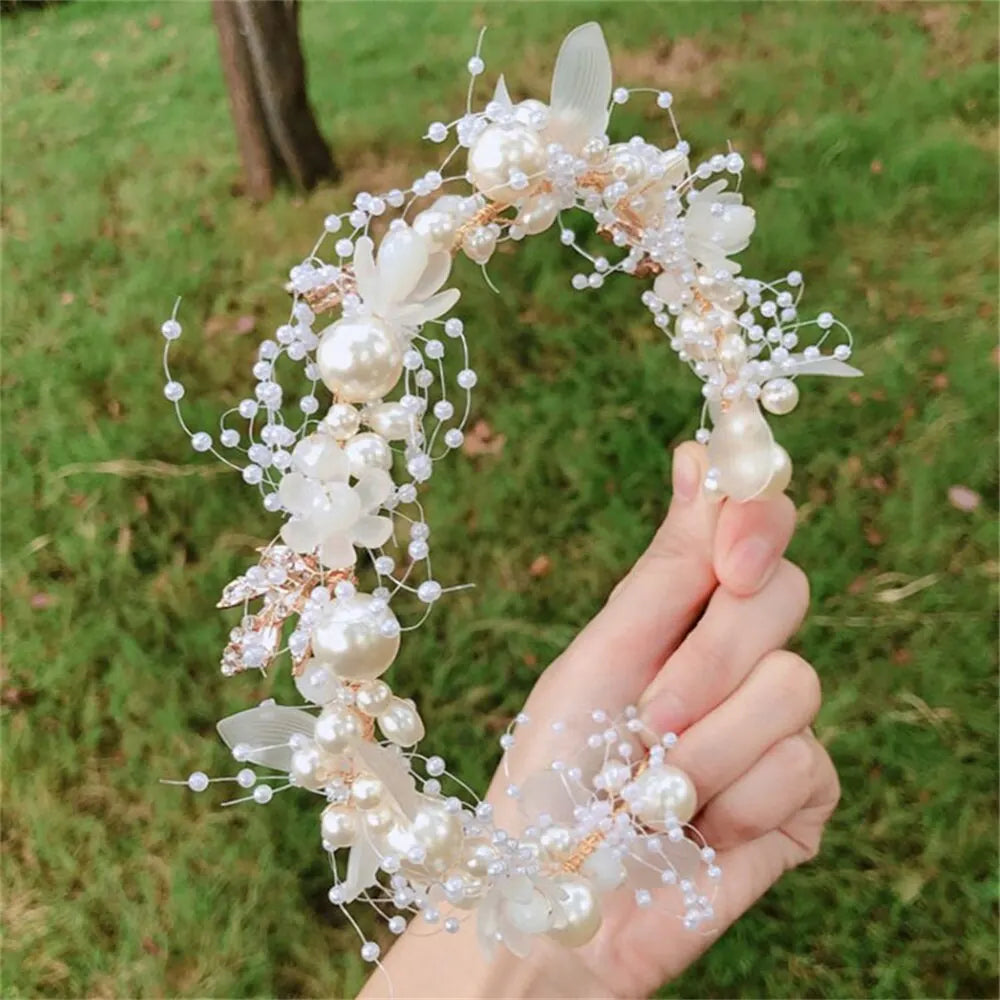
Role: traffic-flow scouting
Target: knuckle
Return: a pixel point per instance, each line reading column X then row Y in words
column 796, row 585
column 795, row 679
column 799, row 759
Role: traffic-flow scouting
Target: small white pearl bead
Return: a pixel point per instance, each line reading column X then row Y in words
column 262, row 794
column 370, row 951
column 664, row 99
column 475, row 66
column 173, row 391
column 197, row 781
column 201, row 441
column 171, row 329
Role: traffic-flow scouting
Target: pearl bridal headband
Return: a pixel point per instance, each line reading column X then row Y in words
column 388, row 383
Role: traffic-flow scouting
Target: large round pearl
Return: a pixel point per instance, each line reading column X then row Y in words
column 400, row 723
column 316, row 682
column 580, row 912
column 307, row 768
column 367, row 451
column 779, row 396
column 336, row 728
column 339, row 826
column 342, row 420
column 556, row 841
column 349, row 638
column 497, row 152
column 366, row 792
column 392, row 421
column 439, row 833
column 359, row 359
column 661, row 791
column 372, row 697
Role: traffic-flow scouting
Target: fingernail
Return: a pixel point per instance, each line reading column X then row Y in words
column 663, row 713
column 686, row 474
column 750, row 562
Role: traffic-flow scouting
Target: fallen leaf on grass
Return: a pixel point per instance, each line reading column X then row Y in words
column 895, row 594
column 41, row 601
column 540, row 566
column 481, row 440
column 963, row 498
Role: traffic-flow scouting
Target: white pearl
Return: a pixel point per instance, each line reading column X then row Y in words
column 392, row 421
column 339, row 826
column 372, row 697
column 400, row 723
column 306, row 769
column 379, row 820
column 439, row 832
column 342, row 421
column 556, row 841
column 779, row 396
column 367, row 451
column 661, row 791
column 336, row 728
column 359, row 360
column 366, row 792
column 614, row 775
column 626, row 165
column 579, row 913
column 350, row 638
column 479, row 244
column 317, row 682
column 498, row 152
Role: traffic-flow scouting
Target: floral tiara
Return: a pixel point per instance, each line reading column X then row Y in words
column 369, row 329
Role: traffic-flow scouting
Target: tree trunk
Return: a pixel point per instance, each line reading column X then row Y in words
column 265, row 74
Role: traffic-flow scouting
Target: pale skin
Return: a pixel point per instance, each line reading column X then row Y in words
column 695, row 636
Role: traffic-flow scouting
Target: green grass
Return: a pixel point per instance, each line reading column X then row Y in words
column 873, row 127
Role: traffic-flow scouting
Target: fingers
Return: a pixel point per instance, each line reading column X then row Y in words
column 772, row 791
column 732, row 636
column 780, row 698
column 749, row 542
column 653, row 607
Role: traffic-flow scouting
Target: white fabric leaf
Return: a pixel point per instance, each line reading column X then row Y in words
column 581, row 87
column 500, row 94
column 362, row 870
column 824, row 366
column 391, row 768
column 416, row 313
column 267, row 726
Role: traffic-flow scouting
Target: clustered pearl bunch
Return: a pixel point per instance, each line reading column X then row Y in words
column 612, row 812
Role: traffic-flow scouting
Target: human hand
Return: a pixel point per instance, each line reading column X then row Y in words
column 694, row 634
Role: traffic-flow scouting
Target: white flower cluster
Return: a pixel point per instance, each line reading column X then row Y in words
column 347, row 484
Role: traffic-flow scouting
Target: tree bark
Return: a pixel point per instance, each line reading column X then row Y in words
column 265, row 75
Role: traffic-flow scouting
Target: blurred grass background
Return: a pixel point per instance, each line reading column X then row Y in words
column 871, row 132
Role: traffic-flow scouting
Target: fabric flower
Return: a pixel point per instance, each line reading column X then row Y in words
column 329, row 515
column 401, row 284
column 515, row 910
column 718, row 224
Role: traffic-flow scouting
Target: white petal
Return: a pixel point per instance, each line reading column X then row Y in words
column 434, row 276
column 392, row 770
column 299, row 533
column 824, row 366
column 267, row 726
column 581, row 87
column 364, row 270
column 372, row 532
column 362, row 870
column 337, row 551
column 342, row 508
column 432, row 308
column 320, row 457
column 374, row 488
column 402, row 258
column 297, row 494
column 500, row 94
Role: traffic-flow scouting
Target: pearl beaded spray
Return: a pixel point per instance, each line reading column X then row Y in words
column 370, row 332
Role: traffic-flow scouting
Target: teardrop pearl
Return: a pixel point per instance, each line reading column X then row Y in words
column 741, row 450
column 781, row 475
column 359, row 359
column 400, row 723
column 392, row 421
